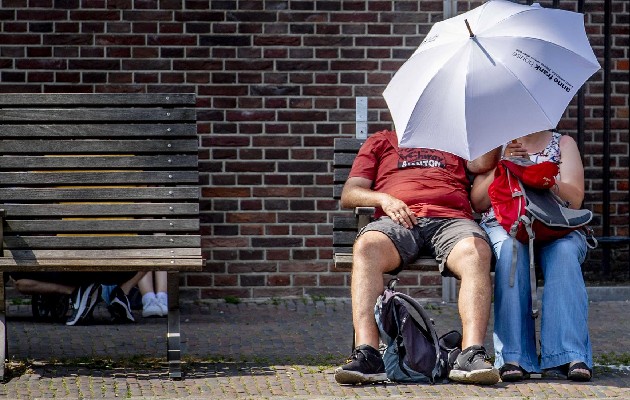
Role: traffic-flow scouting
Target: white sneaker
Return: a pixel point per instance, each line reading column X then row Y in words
column 162, row 302
column 151, row 308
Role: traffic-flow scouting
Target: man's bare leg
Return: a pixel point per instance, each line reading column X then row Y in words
column 128, row 285
column 374, row 255
column 32, row 286
column 119, row 306
column 470, row 262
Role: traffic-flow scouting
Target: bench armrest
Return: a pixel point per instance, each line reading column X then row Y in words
column 364, row 216
column 364, row 211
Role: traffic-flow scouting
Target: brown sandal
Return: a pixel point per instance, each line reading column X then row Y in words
column 512, row 373
column 579, row 372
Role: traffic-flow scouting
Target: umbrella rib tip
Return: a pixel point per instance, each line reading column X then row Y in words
column 469, row 30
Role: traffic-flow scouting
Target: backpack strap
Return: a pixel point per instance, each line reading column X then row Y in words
column 532, row 279
column 527, row 222
column 398, row 340
column 514, row 227
column 532, row 266
column 513, row 230
column 591, row 241
column 391, row 285
column 418, row 313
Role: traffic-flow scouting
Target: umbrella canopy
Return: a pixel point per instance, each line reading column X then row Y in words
column 492, row 74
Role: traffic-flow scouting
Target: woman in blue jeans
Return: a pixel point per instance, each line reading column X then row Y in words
column 565, row 345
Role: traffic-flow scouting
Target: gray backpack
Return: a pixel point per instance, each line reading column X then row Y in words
column 413, row 352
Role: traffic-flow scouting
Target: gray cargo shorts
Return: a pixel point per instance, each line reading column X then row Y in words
column 431, row 236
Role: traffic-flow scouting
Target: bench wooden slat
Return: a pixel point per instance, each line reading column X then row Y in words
column 97, row 177
column 344, row 222
column 106, row 264
column 98, row 131
column 58, row 147
column 105, row 253
column 343, row 262
column 98, row 163
column 348, row 145
column 99, row 194
column 345, row 152
column 337, row 189
column 344, row 238
column 341, row 175
column 97, row 226
column 96, row 114
column 101, row 210
column 102, row 242
column 341, row 160
column 94, row 99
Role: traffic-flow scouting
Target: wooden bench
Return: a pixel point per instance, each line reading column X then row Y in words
column 345, row 227
column 100, row 182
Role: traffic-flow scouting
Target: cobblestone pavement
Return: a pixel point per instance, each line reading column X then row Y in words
column 287, row 350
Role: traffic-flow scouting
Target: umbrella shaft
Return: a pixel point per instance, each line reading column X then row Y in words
column 469, row 30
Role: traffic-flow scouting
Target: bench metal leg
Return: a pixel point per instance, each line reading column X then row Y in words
column 173, row 337
column 449, row 290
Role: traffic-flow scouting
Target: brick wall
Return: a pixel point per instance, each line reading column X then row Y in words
column 276, row 83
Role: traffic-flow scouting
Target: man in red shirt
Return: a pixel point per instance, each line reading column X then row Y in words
column 422, row 202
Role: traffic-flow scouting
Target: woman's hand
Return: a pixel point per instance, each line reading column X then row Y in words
column 515, row 149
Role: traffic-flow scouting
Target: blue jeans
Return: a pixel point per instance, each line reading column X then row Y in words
column 564, row 333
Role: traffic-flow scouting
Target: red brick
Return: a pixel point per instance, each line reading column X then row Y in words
column 47, row 64
column 278, row 254
column 277, row 230
column 219, row 280
column 216, row 293
column 198, row 280
column 244, row 217
column 303, row 266
column 277, row 292
column 250, row 267
column 279, row 280
column 304, row 280
column 332, row 280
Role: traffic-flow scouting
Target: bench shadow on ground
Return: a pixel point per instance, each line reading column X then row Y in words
column 213, row 345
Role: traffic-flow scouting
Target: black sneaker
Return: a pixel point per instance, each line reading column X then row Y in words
column 119, row 306
column 472, row 366
column 365, row 366
column 84, row 300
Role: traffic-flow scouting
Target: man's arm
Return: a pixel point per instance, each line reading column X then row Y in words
column 357, row 192
column 485, row 162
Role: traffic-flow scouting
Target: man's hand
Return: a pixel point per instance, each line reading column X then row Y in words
column 357, row 192
column 398, row 211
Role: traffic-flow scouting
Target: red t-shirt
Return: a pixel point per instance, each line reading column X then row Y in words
column 432, row 183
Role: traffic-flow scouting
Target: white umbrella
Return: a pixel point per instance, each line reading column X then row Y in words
column 492, row 74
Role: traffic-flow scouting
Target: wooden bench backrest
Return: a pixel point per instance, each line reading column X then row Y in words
column 344, row 226
column 96, row 172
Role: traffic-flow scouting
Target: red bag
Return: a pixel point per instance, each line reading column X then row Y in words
column 524, row 205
